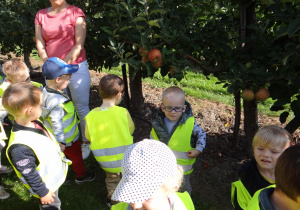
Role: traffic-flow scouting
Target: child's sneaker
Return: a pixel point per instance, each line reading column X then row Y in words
column 5, row 169
column 90, row 176
column 3, row 194
column 86, row 150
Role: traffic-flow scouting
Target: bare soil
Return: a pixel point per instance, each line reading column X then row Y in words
column 217, row 166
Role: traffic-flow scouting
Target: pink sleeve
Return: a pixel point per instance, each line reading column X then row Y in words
column 77, row 12
column 38, row 15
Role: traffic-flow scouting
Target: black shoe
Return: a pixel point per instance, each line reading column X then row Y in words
column 89, row 176
column 108, row 203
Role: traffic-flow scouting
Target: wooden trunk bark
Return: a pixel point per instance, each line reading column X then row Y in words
column 136, row 92
column 126, row 93
column 27, row 59
column 237, row 118
column 250, row 121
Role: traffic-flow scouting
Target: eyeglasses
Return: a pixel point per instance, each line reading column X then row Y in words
column 175, row 108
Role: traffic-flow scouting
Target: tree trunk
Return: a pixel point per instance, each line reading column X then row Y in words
column 27, row 59
column 237, row 118
column 136, row 92
column 250, row 120
column 126, row 94
column 293, row 125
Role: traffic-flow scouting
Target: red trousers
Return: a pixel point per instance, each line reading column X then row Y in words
column 75, row 155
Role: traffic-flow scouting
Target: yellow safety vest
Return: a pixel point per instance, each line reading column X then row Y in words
column 180, row 144
column 5, row 85
column 184, row 197
column 70, row 121
column 254, row 202
column 243, row 196
column 53, row 165
column 110, row 136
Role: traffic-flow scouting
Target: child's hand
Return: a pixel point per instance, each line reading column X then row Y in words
column 193, row 153
column 62, row 147
column 48, row 199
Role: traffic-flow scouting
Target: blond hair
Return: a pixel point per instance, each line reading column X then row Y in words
column 19, row 95
column 14, row 69
column 172, row 184
column 173, row 91
column 272, row 135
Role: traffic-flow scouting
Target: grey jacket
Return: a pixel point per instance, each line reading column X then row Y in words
column 198, row 138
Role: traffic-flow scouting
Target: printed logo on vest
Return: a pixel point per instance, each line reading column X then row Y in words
column 23, row 162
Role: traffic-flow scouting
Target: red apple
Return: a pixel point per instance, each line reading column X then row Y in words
column 262, row 94
column 171, row 70
column 143, row 52
column 247, row 95
column 157, row 64
column 144, row 59
column 154, row 56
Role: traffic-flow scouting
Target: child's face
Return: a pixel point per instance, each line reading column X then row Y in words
column 266, row 156
column 36, row 110
column 170, row 104
column 63, row 81
column 22, row 77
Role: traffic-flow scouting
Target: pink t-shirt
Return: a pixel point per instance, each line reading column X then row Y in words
column 59, row 31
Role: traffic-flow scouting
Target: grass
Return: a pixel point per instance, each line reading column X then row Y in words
column 198, row 86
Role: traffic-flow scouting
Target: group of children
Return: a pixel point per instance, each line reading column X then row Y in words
column 145, row 175
column 45, row 133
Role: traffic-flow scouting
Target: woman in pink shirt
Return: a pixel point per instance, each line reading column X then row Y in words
column 60, row 31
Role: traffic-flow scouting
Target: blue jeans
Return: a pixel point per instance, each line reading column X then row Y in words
column 79, row 87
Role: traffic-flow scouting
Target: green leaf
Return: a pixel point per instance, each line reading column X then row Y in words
column 115, row 64
column 128, row 54
column 281, row 32
column 124, row 5
column 112, row 42
column 107, row 30
column 230, row 89
column 158, row 11
column 293, row 27
column 284, row 60
column 139, row 19
column 153, row 23
column 141, row 2
column 125, row 28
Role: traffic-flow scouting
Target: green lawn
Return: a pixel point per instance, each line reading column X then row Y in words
column 198, row 86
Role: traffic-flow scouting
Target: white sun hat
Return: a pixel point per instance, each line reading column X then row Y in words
column 146, row 165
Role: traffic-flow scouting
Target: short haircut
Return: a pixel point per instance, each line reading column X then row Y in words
column 19, row 95
column 14, row 68
column 173, row 91
column 287, row 172
column 272, row 135
column 110, row 85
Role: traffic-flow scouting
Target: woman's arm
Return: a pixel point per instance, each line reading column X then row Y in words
column 40, row 43
column 80, row 33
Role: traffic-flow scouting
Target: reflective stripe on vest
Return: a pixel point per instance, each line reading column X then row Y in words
column 70, row 122
column 243, row 196
column 110, row 136
column 180, row 144
column 39, row 85
column 53, row 165
column 254, row 202
column 184, row 197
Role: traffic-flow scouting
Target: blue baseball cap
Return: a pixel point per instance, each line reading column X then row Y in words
column 55, row 67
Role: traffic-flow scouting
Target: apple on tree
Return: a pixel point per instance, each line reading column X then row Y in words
column 144, row 59
column 157, row 64
column 143, row 52
column 262, row 94
column 247, row 95
column 171, row 70
column 154, row 55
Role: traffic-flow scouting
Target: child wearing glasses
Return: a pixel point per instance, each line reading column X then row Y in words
column 175, row 126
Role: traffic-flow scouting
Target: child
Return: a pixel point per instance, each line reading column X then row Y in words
column 175, row 126
column 150, row 178
column 33, row 151
column 15, row 71
column 109, row 129
column 286, row 194
column 268, row 144
column 60, row 116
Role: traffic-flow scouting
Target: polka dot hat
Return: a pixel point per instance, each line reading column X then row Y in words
column 145, row 167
